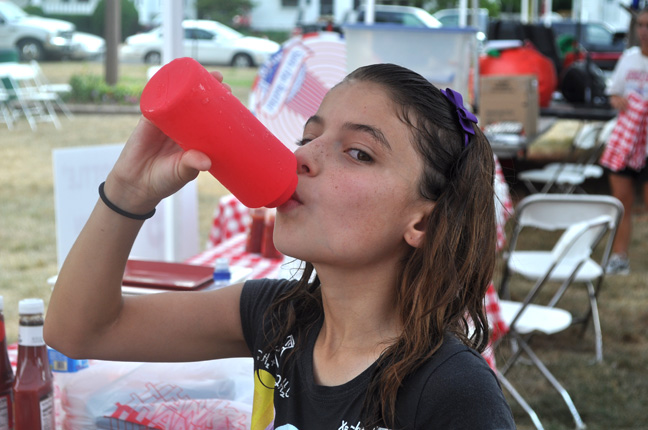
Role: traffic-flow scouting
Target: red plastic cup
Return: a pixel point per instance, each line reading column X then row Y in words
column 195, row 110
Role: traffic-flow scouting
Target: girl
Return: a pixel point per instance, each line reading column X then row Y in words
column 394, row 211
column 625, row 154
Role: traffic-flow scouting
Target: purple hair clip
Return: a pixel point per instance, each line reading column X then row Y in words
column 465, row 117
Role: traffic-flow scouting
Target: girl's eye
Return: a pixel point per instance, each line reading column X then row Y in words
column 360, row 155
column 302, row 142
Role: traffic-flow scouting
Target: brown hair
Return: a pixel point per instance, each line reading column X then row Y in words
column 442, row 283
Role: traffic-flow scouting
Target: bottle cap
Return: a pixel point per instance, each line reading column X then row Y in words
column 221, row 270
column 31, row 306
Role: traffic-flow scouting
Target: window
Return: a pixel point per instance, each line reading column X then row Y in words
column 198, row 34
column 598, row 35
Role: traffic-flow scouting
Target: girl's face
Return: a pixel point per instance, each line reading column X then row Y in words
column 357, row 201
column 642, row 29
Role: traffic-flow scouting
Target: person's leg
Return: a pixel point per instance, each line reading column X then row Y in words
column 645, row 200
column 623, row 189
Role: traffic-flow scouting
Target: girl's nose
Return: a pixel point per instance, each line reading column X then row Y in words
column 308, row 158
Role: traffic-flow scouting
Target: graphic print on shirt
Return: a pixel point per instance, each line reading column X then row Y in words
column 266, row 381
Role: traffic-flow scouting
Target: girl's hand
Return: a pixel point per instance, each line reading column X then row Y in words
column 152, row 167
column 619, row 103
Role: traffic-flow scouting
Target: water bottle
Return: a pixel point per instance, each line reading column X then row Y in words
column 222, row 275
column 195, row 110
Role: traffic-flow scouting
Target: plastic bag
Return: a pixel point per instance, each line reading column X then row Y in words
column 214, row 394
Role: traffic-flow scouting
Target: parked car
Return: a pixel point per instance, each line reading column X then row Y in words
column 604, row 45
column 450, row 18
column 86, row 46
column 599, row 40
column 392, row 14
column 34, row 37
column 209, row 42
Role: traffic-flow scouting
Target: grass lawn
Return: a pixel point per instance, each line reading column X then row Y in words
column 611, row 395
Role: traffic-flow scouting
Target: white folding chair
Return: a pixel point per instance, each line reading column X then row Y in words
column 57, row 90
column 568, row 176
column 555, row 212
column 5, row 110
column 24, row 97
column 570, row 255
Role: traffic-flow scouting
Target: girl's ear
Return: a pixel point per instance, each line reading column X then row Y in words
column 415, row 232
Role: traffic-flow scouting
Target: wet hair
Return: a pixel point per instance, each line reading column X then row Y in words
column 441, row 284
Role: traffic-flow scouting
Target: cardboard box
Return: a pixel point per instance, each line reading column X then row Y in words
column 509, row 98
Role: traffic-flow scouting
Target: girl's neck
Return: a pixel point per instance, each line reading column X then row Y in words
column 358, row 311
column 358, row 326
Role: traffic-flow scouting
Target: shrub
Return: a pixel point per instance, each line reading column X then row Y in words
column 93, row 89
column 34, row 10
column 129, row 18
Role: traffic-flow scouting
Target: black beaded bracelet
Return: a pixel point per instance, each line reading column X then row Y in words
column 120, row 211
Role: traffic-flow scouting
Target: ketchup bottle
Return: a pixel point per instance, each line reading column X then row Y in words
column 33, row 388
column 195, row 110
column 6, row 377
column 255, row 231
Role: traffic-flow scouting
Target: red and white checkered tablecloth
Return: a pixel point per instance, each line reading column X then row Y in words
column 234, row 250
column 231, row 217
column 497, row 324
column 626, row 146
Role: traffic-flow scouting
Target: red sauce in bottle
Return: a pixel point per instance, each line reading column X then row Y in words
column 6, row 377
column 255, row 232
column 33, row 388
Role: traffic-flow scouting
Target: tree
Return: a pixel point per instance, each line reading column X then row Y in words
column 129, row 18
column 223, row 10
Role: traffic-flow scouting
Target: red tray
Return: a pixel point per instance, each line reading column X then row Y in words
column 167, row 276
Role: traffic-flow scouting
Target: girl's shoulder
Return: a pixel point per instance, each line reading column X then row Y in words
column 438, row 393
column 266, row 288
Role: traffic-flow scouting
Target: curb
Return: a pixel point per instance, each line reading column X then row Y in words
column 95, row 109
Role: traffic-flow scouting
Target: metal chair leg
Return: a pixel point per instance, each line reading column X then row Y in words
column 554, row 382
column 518, row 398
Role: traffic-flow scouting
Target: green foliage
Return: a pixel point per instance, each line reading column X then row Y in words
column 81, row 22
column 279, row 36
column 34, row 10
column 94, row 89
column 492, row 6
column 129, row 18
column 222, row 10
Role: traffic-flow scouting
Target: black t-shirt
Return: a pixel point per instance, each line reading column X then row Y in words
column 455, row 389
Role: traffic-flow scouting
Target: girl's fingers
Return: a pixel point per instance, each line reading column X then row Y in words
column 219, row 77
column 191, row 163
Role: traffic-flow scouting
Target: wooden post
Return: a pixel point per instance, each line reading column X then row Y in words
column 113, row 36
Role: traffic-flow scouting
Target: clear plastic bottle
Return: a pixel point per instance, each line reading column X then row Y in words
column 33, row 389
column 6, row 377
column 222, row 274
